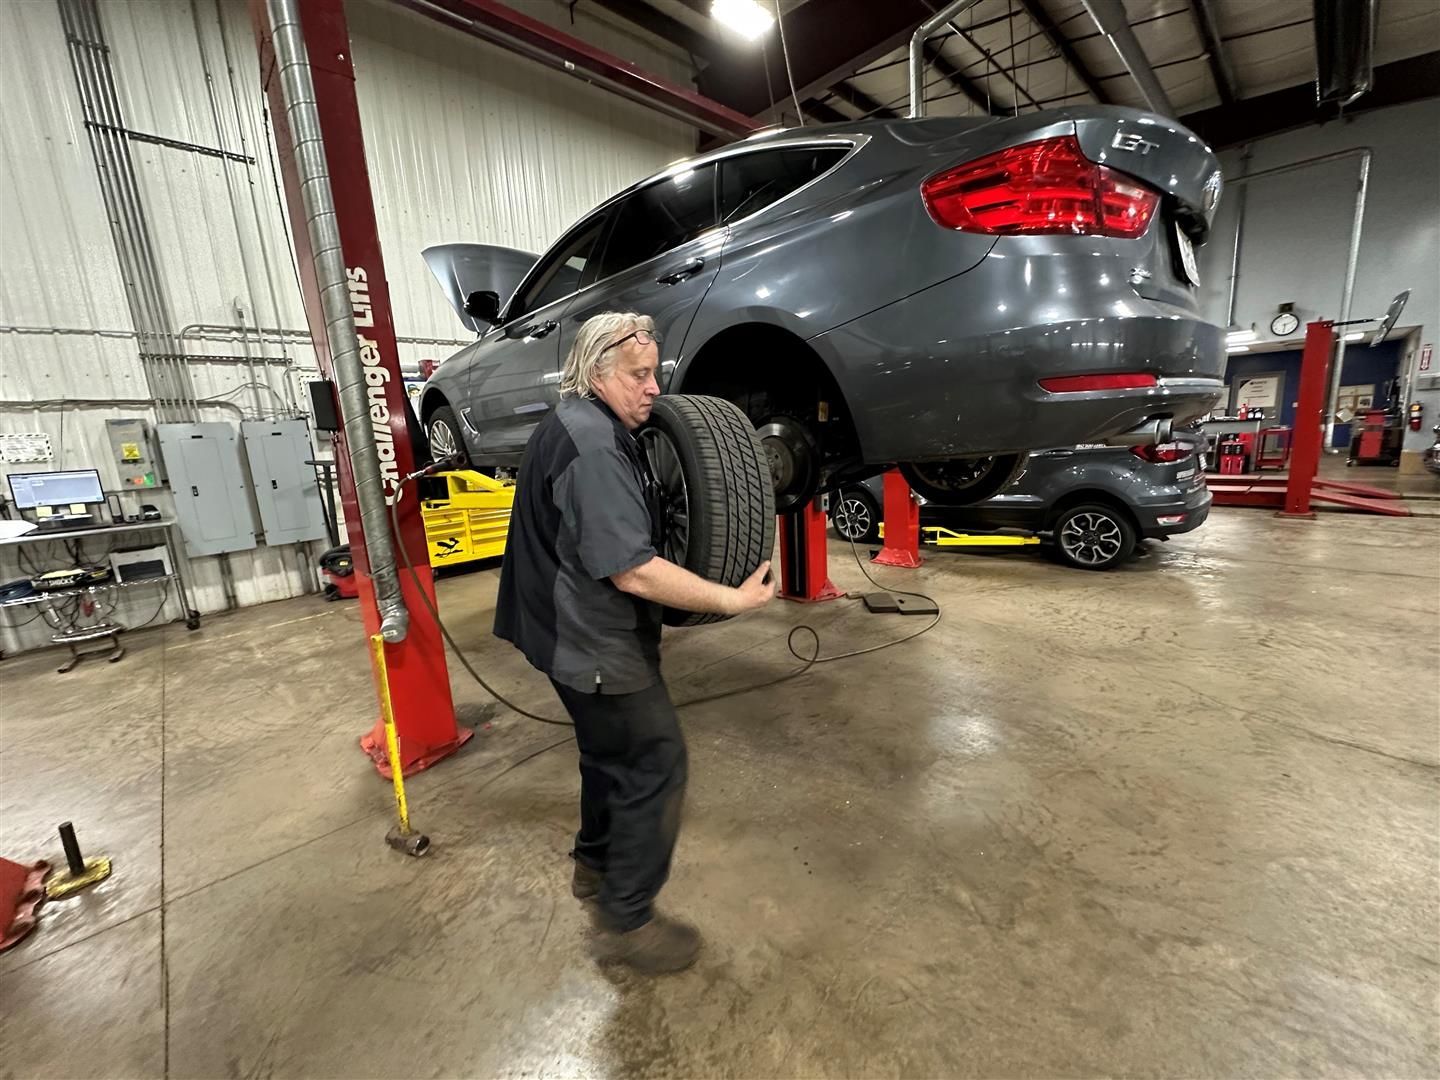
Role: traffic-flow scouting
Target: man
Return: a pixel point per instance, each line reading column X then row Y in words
column 581, row 592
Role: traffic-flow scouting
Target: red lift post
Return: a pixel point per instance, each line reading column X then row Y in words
column 902, row 524
column 1309, row 434
column 804, row 561
column 418, row 682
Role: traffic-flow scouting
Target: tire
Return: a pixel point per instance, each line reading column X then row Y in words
column 1093, row 536
column 855, row 515
column 442, row 431
column 718, row 502
column 963, row 481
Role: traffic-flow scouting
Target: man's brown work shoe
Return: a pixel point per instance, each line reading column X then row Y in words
column 661, row 945
column 585, row 883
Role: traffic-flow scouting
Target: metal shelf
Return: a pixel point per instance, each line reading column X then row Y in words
column 99, row 586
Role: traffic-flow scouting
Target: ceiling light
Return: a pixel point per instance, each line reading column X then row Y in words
column 1356, row 336
column 1237, row 348
column 745, row 17
column 1240, row 337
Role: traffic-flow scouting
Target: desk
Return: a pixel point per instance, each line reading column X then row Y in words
column 73, row 634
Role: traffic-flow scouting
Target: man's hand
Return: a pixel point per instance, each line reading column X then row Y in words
column 662, row 582
column 754, row 592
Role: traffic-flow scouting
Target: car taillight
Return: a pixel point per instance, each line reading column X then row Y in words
column 1075, row 384
column 1163, row 454
column 1048, row 186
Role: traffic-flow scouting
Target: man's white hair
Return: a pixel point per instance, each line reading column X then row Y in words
column 589, row 358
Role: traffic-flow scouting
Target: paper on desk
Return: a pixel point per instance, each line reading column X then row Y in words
column 9, row 528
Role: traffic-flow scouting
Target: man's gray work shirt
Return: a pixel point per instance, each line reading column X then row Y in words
column 583, row 512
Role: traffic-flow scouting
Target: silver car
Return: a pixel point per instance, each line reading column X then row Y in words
column 942, row 293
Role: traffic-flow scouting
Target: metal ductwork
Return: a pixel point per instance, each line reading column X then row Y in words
column 1344, row 50
column 1109, row 17
column 292, row 64
column 923, row 33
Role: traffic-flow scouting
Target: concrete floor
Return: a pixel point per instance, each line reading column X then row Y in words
column 1182, row 819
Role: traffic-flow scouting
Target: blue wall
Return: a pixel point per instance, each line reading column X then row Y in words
column 1363, row 366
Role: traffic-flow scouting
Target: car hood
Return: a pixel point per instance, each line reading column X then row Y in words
column 462, row 269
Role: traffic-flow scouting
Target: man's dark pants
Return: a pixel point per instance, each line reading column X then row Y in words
column 632, row 785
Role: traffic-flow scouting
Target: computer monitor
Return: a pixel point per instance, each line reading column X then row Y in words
column 47, row 490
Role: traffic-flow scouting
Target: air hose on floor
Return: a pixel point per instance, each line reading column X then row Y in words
column 806, row 662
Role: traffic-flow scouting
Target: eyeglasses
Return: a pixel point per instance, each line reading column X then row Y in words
column 644, row 337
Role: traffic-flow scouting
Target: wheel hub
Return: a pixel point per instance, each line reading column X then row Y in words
column 792, row 457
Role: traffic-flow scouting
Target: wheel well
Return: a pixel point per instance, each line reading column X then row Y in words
column 739, row 364
column 429, row 402
column 1090, row 495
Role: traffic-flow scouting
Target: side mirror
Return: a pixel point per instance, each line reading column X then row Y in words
column 483, row 305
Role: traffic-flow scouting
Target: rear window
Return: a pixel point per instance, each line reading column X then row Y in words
column 662, row 216
column 751, row 182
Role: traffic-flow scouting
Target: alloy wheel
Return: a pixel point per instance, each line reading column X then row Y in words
column 1091, row 538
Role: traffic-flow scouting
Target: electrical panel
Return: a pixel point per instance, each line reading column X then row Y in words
column 212, row 500
column 285, row 486
column 130, row 451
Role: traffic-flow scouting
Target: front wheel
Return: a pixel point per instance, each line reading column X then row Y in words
column 443, row 432
column 1093, row 537
column 962, row 481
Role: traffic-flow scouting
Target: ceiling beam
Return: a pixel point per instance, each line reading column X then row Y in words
column 641, row 14
column 1019, row 90
column 1061, row 44
column 826, row 114
column 1411, row 79
column 869, row 108
column 958, row 79
column 1203, row 12
column 828, row 41
column 494, row 22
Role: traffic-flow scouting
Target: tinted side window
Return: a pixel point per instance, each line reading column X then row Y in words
column 662, row 216
column 752, row 182
column 564, row 270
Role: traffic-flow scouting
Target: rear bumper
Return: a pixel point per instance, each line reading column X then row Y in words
column 1191, row 512
column 947, row 372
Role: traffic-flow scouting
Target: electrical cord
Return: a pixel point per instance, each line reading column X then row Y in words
column 806, row 662
column 789, row 72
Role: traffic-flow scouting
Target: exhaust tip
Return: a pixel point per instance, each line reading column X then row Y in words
column 1150, row 433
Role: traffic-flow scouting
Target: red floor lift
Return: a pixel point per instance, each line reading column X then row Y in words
column 414, row 670
column 1293, row 494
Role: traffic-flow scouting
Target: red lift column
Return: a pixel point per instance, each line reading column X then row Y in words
column 804, row 564
column 419, row 683
column 1309, row 419
column 902, row 524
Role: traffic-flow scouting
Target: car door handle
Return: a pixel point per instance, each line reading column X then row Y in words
column 681, row 272
column 539, row 330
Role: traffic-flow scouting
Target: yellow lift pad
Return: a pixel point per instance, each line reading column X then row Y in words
column 466, row 516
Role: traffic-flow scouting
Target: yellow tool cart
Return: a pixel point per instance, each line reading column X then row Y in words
column 466, row 516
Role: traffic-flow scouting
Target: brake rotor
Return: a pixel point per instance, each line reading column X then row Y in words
column 794, row 460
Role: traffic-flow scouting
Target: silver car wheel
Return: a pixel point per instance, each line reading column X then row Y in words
column 1091, row 538
column 664, row 459
column 852, row 519
column 443, row 442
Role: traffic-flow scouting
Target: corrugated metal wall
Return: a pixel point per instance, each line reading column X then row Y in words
column 464, row 142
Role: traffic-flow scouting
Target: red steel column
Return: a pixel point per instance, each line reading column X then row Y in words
column 1309, row 418
column 804, row 563
column 419, row 682
column 902, row 524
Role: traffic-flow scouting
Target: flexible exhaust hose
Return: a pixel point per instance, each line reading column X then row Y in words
column 298, row 89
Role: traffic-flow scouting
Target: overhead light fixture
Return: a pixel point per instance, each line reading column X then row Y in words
column 1356, row 336
column 1237, row 348
column 1240, row 337
column 745, row 17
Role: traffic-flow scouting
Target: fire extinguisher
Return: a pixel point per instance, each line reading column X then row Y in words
column 1415, row 410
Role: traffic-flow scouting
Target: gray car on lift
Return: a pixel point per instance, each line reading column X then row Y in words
column 942, row 293
column 1091, row 504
